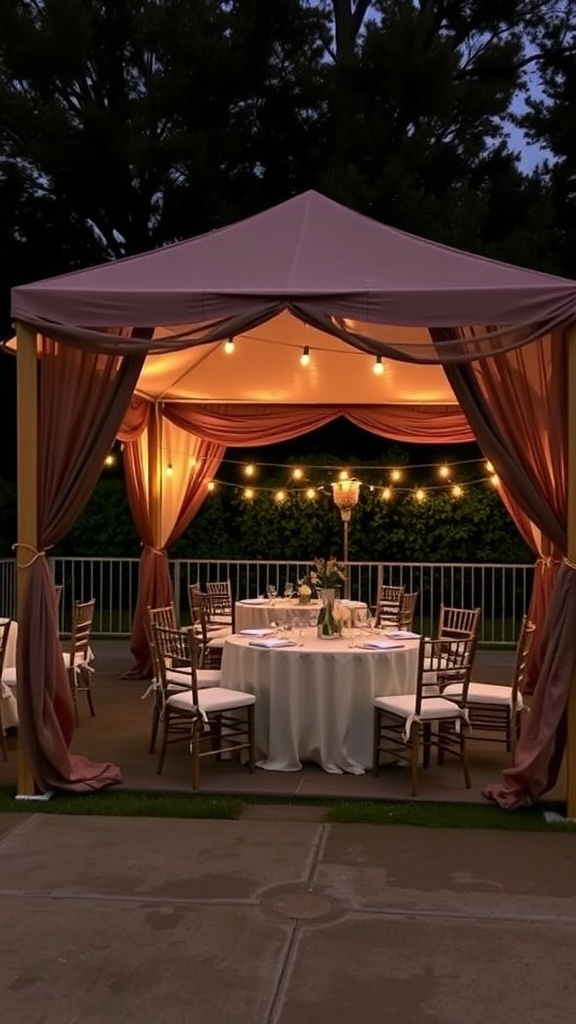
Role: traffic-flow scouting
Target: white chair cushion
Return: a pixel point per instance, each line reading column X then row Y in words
column 432, row 707
column 485, row 693
column 214, row 699
column 9, row 676
column 204, row 677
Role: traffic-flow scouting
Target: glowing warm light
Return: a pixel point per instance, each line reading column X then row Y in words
column 297, row 474
column 109, row 460
column 395, row 475
column 345, row 494
column 343, row 474
column 280, row 496
column 495, row 480
column 489, row 467
column 169, row 470
column 211, row 485
column 249, row 470
column 378, row 368
column 305, row 357
column 444, row 472
column 248, row 493
column 386, row 493
column 311, row 494
column 457, row 491
column 229, row 346
column 193, row 460
column 420, row 495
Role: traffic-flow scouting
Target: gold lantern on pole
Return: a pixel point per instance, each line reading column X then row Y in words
column 346, row 493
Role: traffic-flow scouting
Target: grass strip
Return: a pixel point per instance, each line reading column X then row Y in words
column 441, row 815
column 127, row 804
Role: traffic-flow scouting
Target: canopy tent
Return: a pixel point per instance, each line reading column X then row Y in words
column 135, row 349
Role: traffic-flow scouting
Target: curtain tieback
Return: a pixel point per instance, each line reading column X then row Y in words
column 566, row 561
column 548, row 562
column 36, row 555
column 156, row 551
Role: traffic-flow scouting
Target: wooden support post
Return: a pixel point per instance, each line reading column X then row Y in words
column 571, row 553
column 27, row 463
column 155, row 473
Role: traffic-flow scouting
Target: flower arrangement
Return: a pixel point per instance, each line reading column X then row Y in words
column 325, row 574
column 304, row 592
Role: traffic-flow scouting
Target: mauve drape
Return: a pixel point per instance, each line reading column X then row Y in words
column 82, row 399
column 517, row 406
column 193, row 462
column 252, row 425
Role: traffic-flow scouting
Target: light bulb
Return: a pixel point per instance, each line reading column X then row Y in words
column 343, row 474
column 444, row 472
column 495, row 480
column 395, row 475
column 378, row 368
column 457, row 491
column 229, row 346
column 386, row 493
column 297, row 473
column 280, row 496
column 248, row 493
column 211, row 485
column 109, row 460
column 489, row 467
column 420, row 495
column 305, row 357
column 310, row 494
column 249, row 470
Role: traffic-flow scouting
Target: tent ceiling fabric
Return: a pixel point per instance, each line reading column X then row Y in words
column 265, row 367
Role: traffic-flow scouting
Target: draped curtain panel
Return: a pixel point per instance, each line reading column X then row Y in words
column 186, row 464
column 517, row 405
column 82, row 400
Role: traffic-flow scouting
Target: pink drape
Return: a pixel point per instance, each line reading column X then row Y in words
column 187, row 463
column 251, row 425
column 517, row 406
column 82, row 398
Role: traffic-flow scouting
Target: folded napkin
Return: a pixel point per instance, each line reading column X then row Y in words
column 256, row 632
column 254, row 600
column 403, row 634
column 379, row 645
column 273, row 642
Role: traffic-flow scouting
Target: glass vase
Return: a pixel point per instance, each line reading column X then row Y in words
column 328, row 625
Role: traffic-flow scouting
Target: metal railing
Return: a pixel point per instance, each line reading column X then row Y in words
column 501, row 591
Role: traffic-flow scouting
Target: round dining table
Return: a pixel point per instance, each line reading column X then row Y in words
column 262, row 612
column 314, row 697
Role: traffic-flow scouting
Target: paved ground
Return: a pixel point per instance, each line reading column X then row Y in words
column 279, row 918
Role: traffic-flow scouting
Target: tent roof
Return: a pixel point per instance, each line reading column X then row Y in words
column 310, row 249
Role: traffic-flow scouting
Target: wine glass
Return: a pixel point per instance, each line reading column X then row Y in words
column 289, row 590
column 271, row 591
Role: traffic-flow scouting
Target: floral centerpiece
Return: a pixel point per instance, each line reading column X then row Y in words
column 324, row 574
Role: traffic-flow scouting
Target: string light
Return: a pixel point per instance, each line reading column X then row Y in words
column 420, row 494
column 395, row 475
column 378, row 368
column 193, row 461
column 248, row 493
column 444, row 472
column 386, row 493
column 280, row 496
column 250, row 469
column 457, row 491
column 311, row 494
column 297, row 473
column 110, row 460
column 343, row 474
column 211, row 486
column 229, row 346
column 305, row 357
column 495, row 480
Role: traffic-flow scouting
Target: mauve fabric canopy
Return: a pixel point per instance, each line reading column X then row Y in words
column 310, row 251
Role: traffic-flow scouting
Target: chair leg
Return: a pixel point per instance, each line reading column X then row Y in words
column 251, row 741
column 427, row 745
column 3, row 744
column 154, row 728
column 464, row 757
column 164, row 741
column 195, row 745
column 415, row 745
column 376, row 750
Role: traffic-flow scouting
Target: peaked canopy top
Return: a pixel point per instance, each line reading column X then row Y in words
column 308, row 250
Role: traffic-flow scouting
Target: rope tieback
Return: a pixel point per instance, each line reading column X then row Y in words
column 35, row 556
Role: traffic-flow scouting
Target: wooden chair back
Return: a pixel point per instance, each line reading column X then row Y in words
column 82, row 619
column 441, row 663
column 4, row 634
column 388, row 606
column 458, row 623
column 220, row 603
column 407, row 610
column 177, row 651
column 523, row 647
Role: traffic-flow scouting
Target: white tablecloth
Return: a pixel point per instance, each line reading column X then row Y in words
column 315, row 702
column 259, row 613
